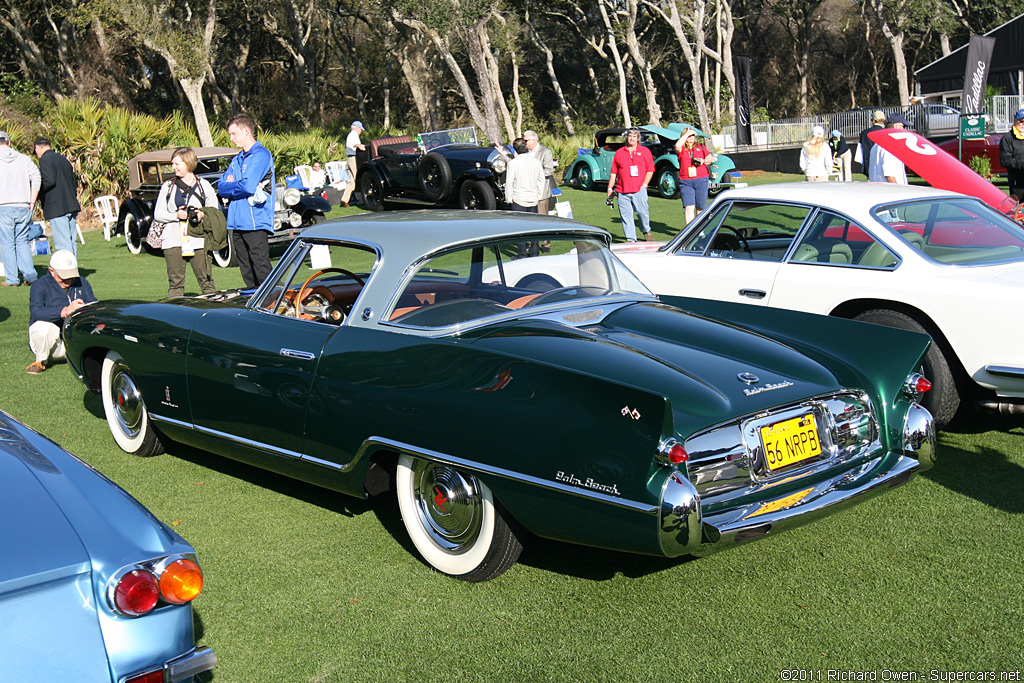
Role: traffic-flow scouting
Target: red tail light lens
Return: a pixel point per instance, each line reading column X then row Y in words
column 181, row 581
column 916, row 385
column 677, row 454
column 151, row 677
column 135, row 593
column 923, row 385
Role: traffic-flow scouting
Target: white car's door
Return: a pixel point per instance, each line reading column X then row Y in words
column 732, row 255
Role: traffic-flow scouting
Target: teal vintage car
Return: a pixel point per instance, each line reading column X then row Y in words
column 390, row 353
column 593, row 167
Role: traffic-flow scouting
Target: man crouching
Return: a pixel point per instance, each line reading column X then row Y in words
column 52, row 299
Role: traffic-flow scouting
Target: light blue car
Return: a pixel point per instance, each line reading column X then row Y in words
column 92, row 586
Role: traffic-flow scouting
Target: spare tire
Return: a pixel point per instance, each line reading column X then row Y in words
column 435, row 177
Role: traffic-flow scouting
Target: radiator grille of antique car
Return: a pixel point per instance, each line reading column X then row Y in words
column 737, row 458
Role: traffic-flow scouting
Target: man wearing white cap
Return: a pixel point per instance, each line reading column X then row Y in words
column 52, row 299
column 352, row 144
column 19, row 187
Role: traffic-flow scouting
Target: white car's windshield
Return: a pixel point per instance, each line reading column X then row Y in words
column 955, row 231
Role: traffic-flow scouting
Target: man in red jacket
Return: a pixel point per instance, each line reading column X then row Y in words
column 632, row 168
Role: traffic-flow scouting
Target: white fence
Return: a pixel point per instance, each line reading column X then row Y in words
column 924, row 118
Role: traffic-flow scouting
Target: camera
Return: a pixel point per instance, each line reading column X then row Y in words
column 193, row 216
column 610, row 201
column 698, row 162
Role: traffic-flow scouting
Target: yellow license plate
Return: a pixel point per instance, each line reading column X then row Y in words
column 790, row 441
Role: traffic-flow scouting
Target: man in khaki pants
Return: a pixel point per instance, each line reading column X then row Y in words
column 352, row 144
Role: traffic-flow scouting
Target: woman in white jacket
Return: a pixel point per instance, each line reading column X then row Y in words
column 816, row 157
column 187, row 190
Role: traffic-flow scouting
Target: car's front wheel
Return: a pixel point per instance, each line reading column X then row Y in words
column 476, row 194
column 125, row 410
column 453, row 521
column 373, row 192
column 943, row 400
column 666, row 181
column 132, row 234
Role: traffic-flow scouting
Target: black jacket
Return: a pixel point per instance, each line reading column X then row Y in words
column 58, row 191
column 865, row 149
column 1011, row 154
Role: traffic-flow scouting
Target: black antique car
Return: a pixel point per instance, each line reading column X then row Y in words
column 440, row 168
column 147, row 171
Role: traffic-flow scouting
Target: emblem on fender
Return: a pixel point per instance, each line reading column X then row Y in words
column 748, row 378
column 633, row 413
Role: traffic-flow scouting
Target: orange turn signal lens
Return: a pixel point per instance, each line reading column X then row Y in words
column 181, row 581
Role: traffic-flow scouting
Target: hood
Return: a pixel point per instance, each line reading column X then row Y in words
column 697, row 363
column 8, row 154
column 39, row 543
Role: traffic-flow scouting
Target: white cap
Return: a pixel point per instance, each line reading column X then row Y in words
column 818, row 132
column 65, row 264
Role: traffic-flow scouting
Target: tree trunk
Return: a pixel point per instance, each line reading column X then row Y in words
column 193, row 88
column 627, row 120
column 643, row 64
column 419, row 77
column 549, row 62
column 693, row 61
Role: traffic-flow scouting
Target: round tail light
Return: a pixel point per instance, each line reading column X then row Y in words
column 135, row 593
column 181, row 581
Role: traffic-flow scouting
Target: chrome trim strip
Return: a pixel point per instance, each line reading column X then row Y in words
column 191, row 664
column 324, row 463
column 301, row 355
column 258, row 445
column 373, row 441
column 1005, row 371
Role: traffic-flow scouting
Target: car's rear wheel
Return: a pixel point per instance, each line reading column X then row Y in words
column 373, row 192
column 453, row 521
column 943, row 400
column 225, row 258
column 435, row 176
column 133, row 236
column 584, row 177
column 125, row 410
column 666, row 181
column 476, row 194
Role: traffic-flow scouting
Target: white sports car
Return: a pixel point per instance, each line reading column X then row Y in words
column 910, row 257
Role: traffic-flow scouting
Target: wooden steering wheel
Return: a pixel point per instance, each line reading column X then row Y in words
column 305, row 285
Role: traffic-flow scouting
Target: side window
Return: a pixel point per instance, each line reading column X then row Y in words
column 320, row 282
column 756, row 231
column 833, row 239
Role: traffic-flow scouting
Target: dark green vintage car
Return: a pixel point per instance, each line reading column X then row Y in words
column 390, row 353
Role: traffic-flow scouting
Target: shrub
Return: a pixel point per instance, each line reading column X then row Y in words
column 981, row 165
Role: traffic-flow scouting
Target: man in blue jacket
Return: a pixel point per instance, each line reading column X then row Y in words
column 52, row 299
column 249, row 185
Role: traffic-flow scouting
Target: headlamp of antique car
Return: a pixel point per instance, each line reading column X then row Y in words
column 292, row 196
column 498, row 165
column 295, row 220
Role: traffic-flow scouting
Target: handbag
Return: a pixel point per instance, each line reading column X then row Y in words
column 155, row 236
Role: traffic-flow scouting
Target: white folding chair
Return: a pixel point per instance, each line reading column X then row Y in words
column 106, row 208
column 337, row 171
column 305, row 173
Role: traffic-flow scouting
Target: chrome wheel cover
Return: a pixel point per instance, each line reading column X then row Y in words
column 449, row 506
column 126, row 402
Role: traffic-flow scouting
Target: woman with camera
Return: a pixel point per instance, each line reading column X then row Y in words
column 179, row 211
column 694, row 176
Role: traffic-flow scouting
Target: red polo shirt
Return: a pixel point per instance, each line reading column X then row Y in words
column 623, row 161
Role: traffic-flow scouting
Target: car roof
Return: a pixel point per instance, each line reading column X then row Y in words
column 837, row 194
column 163, row 156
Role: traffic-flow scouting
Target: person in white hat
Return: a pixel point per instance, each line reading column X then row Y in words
column 51, row 300
column 816, row 157
column 352, row 144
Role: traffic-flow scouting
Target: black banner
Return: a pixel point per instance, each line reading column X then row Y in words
column 979, row 64
column 741, row 65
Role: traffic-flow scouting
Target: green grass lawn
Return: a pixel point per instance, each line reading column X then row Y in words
column 305, row 585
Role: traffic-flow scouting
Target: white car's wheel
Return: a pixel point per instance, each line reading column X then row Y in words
column 453, row 521
column 125, row 410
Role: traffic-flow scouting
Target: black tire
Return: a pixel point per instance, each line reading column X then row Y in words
column 943, row 400
column 477, row 194
column 133, row 236
column 373, row 192
column 435, row 177
column 453, row 521
column 125, row 410
column 584, row 177
column 666, row 181
column 226, row 258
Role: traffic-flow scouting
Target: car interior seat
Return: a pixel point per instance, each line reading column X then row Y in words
column 824, row 251
column 877, row 256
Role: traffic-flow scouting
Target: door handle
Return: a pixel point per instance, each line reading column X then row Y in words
column 754, row 293
column 301, row 355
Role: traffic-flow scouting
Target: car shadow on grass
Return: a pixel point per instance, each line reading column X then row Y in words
column 979, row 471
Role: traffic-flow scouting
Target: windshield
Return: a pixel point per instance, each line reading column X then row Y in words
column 956, row 231
column 501, row 277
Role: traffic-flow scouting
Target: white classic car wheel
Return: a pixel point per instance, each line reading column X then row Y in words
column 943, row 400
column 126, row 413
column 453, row 521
